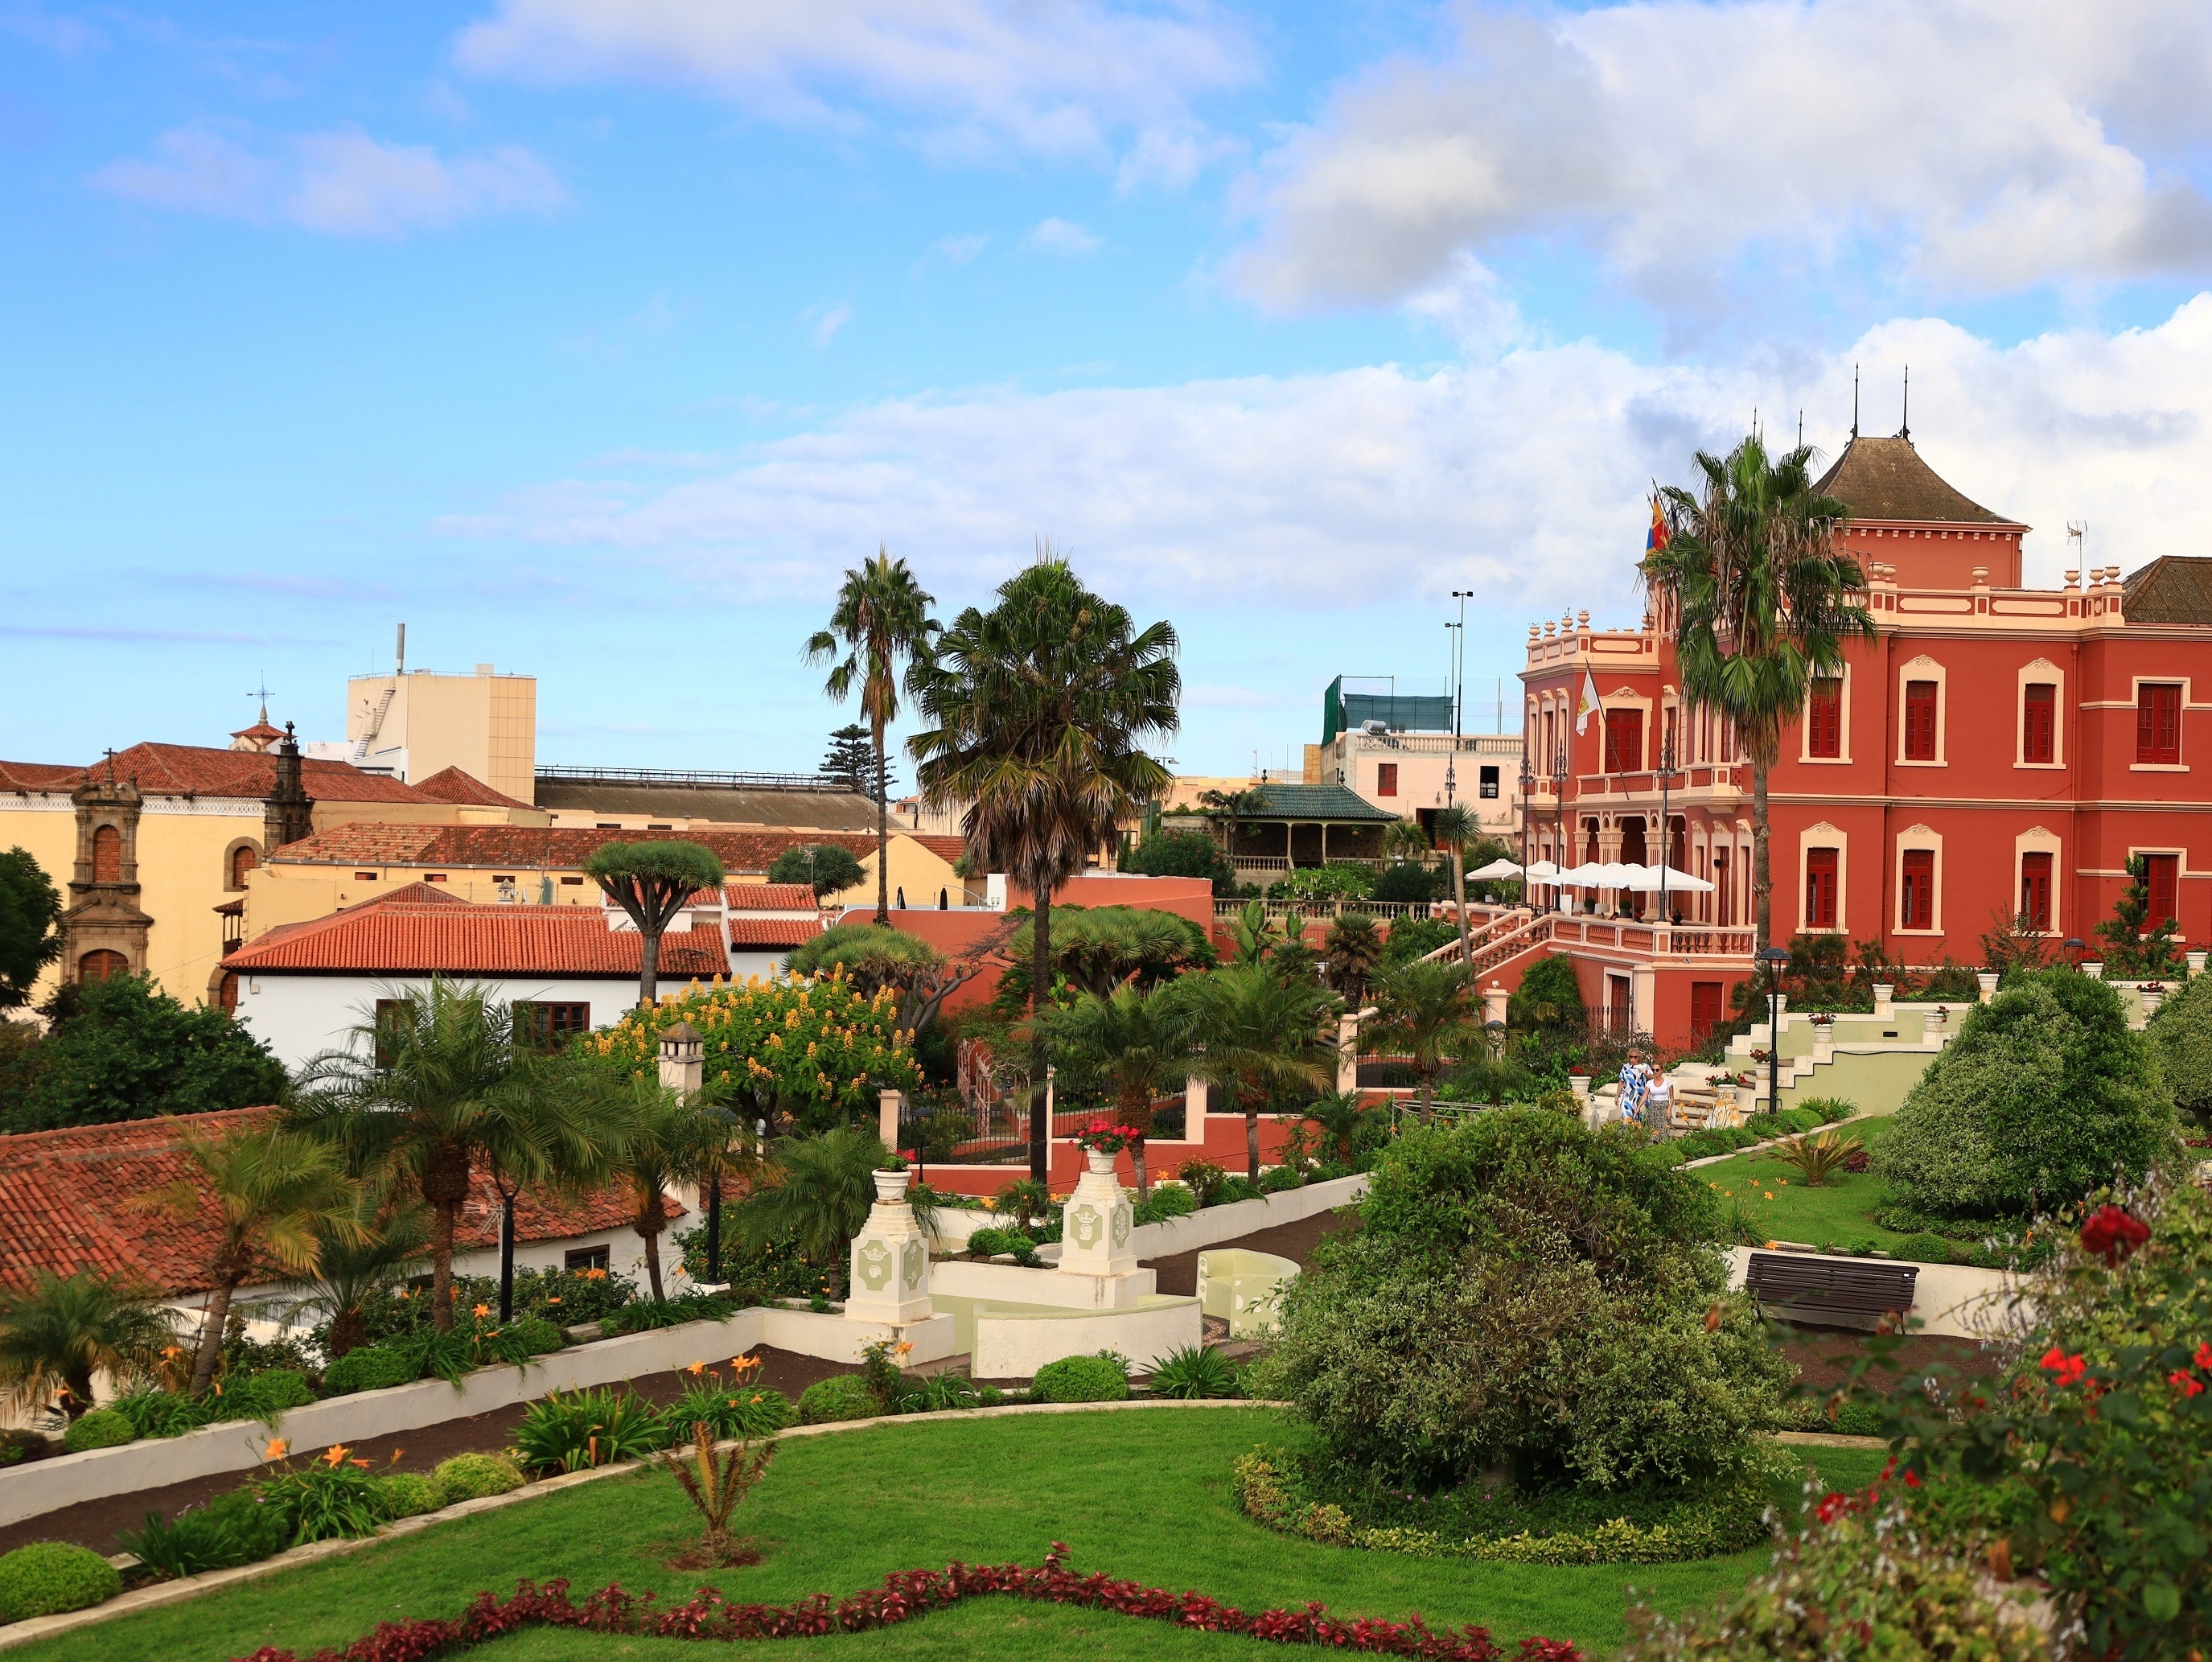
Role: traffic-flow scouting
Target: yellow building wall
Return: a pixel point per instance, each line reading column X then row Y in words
column 921, row 872
column 485, row 725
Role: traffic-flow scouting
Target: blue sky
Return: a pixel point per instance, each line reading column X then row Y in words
column 594, row 338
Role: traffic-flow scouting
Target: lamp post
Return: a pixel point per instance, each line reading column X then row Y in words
column 1666, row 770
column 1459, row 664
column 1559, row 814
column 1527, row 779
column 2073, row 946
column 1774, row 957
column 505, row 1246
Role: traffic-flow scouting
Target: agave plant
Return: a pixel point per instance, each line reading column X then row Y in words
column 1195, row 1371
column 1817, row 1158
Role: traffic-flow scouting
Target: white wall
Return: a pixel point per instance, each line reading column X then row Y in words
column 298, row 1015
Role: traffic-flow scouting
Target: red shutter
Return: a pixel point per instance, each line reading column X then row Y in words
column 2035, row 890
column 1920, row 721
column 1705, row 1007
column 1624, row 741
column 2163, row 873
column 1916, row 898
column 1386, row 778
column 2038, row 722
column 2158, row 723
column 1824, row 719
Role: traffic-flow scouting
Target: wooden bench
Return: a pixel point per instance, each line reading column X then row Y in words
column 1808, row 1286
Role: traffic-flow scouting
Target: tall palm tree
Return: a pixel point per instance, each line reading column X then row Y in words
column 1428, row 1010
column 1351, row 952
column 881, row 621
column 1761, row 600
column 1232, row 806
column 439, row 1085
column 817, row 1198
column 1260, row 1034
column 666, row 1142
column 66, row 1329
column 1039, row 710
column 1455, row 827
column 273, row 1193
column 1141, row 1043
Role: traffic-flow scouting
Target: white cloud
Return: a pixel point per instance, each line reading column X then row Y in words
column 955, row 250
column 1523, row 477
column 826, row 322
column 1984, row 148
column 1053, row 76
column 1063, row 237
column 343, row 183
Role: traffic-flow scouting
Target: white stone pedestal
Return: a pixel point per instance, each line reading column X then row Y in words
column 1095, row 1224
column 889, row 1268
column 1884, row 991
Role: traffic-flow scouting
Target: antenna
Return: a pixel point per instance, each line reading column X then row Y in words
column 1800, row 429
column 2077, row 541
column 400, row 654
column 1904, row 428
column 1855, row 400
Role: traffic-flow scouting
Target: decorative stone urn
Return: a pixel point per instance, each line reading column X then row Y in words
column 1988, row 983
column 1884, row 992
column 2150, row 1000
column 1579, row 1083
column 889, row 1268
column 2093, row 968
column 1095, row 1224
column 2196, row 962
column 1747, row 1102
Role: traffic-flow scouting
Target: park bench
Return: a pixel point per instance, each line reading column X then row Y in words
column 1810, row 1286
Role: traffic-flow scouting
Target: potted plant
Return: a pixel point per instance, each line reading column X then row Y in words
column 2152, row 993
column 1102, row 1140
column 891, row 1175
column 1578, row 1081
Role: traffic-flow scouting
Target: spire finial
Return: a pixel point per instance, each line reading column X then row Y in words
column 1905, row 423
column 1855, row 400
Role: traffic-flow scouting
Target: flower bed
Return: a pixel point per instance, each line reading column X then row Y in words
column 906, row 1595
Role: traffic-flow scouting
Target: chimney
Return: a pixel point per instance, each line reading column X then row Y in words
column 682, row 1063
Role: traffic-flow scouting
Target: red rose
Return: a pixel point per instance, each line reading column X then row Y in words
column 2113, row 1233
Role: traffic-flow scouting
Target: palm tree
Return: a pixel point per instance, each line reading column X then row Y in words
column 1427, row 1009
column 274, row 1193
column 1760, row 600
column 66, row 1329
column 1404, row 839
column 1455, row 827
column 1232, row 806
column 818, row 1193
column 1039, row 710
column 1139, row 1042
column 1339, row 1116
column 666, row 1142
column 439, row 1085
column 1350, row 952
column 1260, row 1034
column 362, row 1261
column 882, row 617
column 651, row 882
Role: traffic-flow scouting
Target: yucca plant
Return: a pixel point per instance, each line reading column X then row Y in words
column 1195, row 1370
column 1817, row 1158
column 715, row 1482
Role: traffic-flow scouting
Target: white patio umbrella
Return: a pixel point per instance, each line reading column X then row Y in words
column 1497, row 868
column 1614, row 875
column 1543, row 871
column 1581, row 877
column 1678, row 882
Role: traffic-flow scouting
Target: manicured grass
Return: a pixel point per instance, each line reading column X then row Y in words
column 1143, row 1496
column 1781, row 1206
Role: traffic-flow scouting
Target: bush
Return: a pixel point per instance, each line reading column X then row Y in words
column 1413, row 937
column 1915, row 1600
column 369, row 1367
column 475, row 1476
column 231, row 1529
column 408, row 1493
column 1549, row 1000
column 538, row 1336
column 575, row 1430
column 1527, row 1295
column 989, row 1242
column 2181, row 1034
column 1831, row 1110
column 1406, row 881
column 1195, row 1371
column 322, row 1501
column 1182, row 853
column 841, row 1397
column 729, row 1407
column 1203, row 1180
column 2043, row 1096
column 49, row 1577
column 103, row 1427
column 1277, row 1179
column 1100, row 1378
column 1167, row 1200
column 263, row 1395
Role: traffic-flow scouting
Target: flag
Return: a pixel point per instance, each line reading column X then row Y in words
column 1590, row 702
column 1657, row 537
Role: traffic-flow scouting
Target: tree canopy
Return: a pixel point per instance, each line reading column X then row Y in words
column 828, row 868
column 650, row 881
column 30, row 925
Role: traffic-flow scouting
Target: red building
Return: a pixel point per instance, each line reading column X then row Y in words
column 1996, row 750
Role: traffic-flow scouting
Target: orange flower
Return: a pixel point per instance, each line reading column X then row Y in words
column 335, row 1456
column 554, row 1299
column 363, row 1465
column 396, row 1454
column 696, row 1369
column 481, row 1310
column 278, row 1448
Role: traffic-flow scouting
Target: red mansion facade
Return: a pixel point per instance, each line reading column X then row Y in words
column 1996, row 750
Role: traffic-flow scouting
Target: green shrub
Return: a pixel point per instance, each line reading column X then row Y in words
column 989, row 1242
column 2181, row 1034
column 1922, row 1249
column 1195, row 1371
column 103, row 1427
column 1167, row 1200
column 1100, row 1378
column 1549, row 1000
column 729, row 1407
column 231, row 1529
column 1830, row 1109
column 1277, row 1179
column 575, row 1430
column 1527, row 1295
column 538, row 1336
column 841, row 1397
column 476, row 1476
column 263, row 1395
column 321, row 1501
column 2043, row 1095
column 49, row 1577
column 20, row 1444
column 369, row 1367
column 1918, row 1600
column 1203, row 1181
column 408, row 1493
column 1410, row 938
column 1406, row 881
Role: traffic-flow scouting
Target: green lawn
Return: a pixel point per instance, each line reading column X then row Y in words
column 1141, row 1495
column 1782, row 1207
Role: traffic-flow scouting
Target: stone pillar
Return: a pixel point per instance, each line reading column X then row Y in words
column 890, row 1106
column 890, row 1266
column 1495, row 998
column 1347, row 1052
column 1193, row 1108
column 1988, row 984
column 1884, row 991
column 1095, row 1224
column 1644, row 999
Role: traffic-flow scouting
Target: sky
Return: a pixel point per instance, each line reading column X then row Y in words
column 597, row 339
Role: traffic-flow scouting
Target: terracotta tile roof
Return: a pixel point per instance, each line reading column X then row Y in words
column 770, row 897
column 1885, row 479
column 417, row 930
column 2173, row 588
column 457, row 784
column 178, row 769
column 947, row 849
column 531, row 847
column 65, row 1205
column 39, row 776
column 771, row 931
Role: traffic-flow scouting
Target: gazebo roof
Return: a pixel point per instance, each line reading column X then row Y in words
column 1335, row 803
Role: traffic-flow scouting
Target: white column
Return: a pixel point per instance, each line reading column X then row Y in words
column 890, row 1267
column 1095, row 1224
column 1347, row 1052
column 890, row 1105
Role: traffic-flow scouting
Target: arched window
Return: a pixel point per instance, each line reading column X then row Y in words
column 243, row 859
column 107, row 855
column 98, row 967
column 226, row 986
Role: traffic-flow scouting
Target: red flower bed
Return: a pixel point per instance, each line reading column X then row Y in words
column 905, row 1594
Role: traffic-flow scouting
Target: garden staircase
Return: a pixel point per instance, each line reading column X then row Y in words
column 1496, row 943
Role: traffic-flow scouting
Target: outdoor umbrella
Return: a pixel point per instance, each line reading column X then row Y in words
column 1678, row 882
column 1495, row 869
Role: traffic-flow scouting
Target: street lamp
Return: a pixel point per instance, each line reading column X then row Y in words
column 2074, row 947
column 1666, row 770
column 1774, row 957
column 1527, row 781
column 1559, row 814
column 1459, row 667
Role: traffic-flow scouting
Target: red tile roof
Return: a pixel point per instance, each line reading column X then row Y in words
column 773, row 931
column 417, row 930
column 458, row 785
column 505, row 847
column 770, row 897
column 203, row 770
column 39, row 776
column 65, row 1205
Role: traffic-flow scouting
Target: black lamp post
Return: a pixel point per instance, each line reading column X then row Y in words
column 1527, row 779
column 506, row 1247
column 1559, row 816
column 2073, row 946
column 1666, row 770
column 1774, row 957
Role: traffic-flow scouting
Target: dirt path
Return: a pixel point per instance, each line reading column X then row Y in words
column 95, row 1524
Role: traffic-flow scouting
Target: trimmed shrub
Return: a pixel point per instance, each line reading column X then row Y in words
column 1549, row 1000
column 1526, row 1294
column 49, row 1577
column 369, row 1367
column 1081, row 1379
column 2181, row 1034
column 841, row 1397
column 407, row 1494
column 264, row 1395
column 540, row 1337
column 1195, row 1371
column 474, row 1476
column 1277, row 1179
column 103, row 1427
column 2043, row 1095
